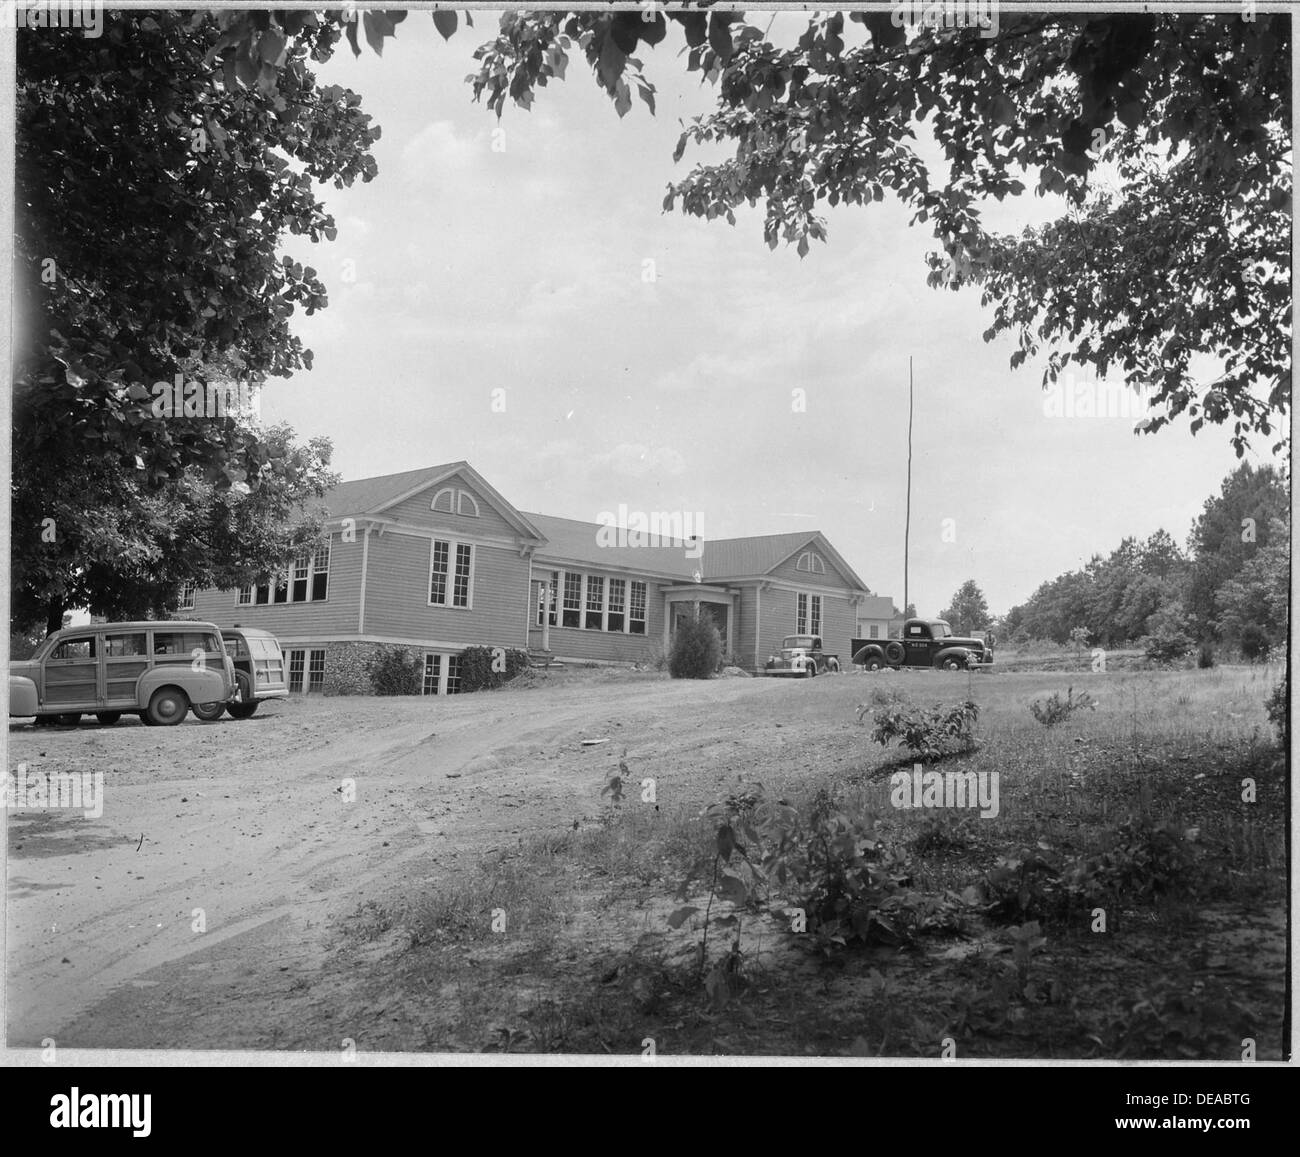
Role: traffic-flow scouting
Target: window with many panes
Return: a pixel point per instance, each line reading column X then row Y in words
column 807, row 619
column 306, row 669
column 453, row 674
column 636, row 609
column 304, row 580
column 808, row 615
column 617, row 602
column 432, row 674
column 595, row 603
column 450, row 581
column 572, row 599
column 187, row 597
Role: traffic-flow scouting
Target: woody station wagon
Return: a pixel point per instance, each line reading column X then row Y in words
column 157, row 670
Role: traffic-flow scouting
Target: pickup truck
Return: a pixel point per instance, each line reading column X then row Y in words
column 925, row 643
column 801, row 656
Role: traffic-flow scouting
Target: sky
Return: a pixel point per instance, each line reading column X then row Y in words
column 511, row 293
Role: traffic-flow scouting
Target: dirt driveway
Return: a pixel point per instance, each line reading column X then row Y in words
column 224, row 850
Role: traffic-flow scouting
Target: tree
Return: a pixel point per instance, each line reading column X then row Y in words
column 968, row 611
column 1254, row 607
column 1188, row 253
column 1233, row 527
column 154, row 188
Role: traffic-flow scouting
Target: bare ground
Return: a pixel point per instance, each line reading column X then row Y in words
column 253, row 826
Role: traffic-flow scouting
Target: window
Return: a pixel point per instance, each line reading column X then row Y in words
column 75, row 649
column 549, row 592
column 636, row 609
column 123, row 646
column 453, row 674
column 617, row 601
column 438, row 577
column 187, row 597
column 301, row 567
column 572, row 599
column 808, row 614
column 449, row 500
column 316, row 671
column 320, row 572
column 461, row 576
column 875, row 631
column 811, row 562
column 595, row 603
column 306, row 579
column 460, row 589
column 184, row 643
column 295, row 670
column 433, row 674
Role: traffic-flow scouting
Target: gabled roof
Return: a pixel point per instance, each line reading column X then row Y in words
column 375, row 495
column 737, row 558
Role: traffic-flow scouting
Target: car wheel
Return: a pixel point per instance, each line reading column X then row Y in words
column 208, row 712
column 833, row 666
column 68, row 719
column 894, row 653
column 952, row 663
column 242, row 705
column 167, row 707
column 108, row 718
column 810, row 671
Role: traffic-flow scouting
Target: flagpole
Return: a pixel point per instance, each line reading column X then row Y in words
column 907, row 526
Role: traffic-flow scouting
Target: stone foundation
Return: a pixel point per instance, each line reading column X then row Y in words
column 345, row 668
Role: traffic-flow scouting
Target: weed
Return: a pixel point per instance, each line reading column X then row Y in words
column 1049, row 712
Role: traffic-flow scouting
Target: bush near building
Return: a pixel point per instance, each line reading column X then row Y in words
column 696, row 651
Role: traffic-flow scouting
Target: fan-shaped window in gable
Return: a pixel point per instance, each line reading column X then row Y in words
column 449, row 500
column 811, row 562
column 445, row 500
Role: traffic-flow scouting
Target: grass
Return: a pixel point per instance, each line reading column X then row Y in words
column 586, row 962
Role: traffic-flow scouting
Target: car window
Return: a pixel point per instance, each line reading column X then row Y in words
column 130, row 643
column 184, row 642
column 82, row 648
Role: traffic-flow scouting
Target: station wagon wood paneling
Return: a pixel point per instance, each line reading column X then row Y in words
column 388, row 535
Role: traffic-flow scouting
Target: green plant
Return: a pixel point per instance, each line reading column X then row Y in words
column 394, row 671
column 486, row 668
column 1255, row 643
column 929, row 732
column 1205, row 656
column 1278, row 706
column 1049, row 712
column 696, row 651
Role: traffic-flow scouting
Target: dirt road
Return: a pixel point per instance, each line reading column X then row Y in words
column 224, row 847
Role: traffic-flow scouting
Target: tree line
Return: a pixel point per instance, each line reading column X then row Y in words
column 1230, row 586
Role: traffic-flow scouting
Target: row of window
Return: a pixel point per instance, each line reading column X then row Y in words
column 305, row 581
column 594, row 603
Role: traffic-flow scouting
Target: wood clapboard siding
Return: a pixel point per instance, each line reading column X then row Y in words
column 397, row 595
column 334, row 617
column 839, row 625
column 416, row 511
column 746, row 627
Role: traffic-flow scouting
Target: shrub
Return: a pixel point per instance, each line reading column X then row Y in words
column 1167, row 645
column 696, row 650
column 1050, row 712
column 487, row 668
column 1205, row 657
column 1278, row 706
column 929, row 732
column 395, row 671
column 1255, row 643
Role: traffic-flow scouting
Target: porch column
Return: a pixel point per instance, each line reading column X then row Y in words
column 546, row 616
column 668, row 612
column 731, row 626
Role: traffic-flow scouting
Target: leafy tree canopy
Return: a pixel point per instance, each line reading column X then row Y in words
column 968, row 610
column 158, row 171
